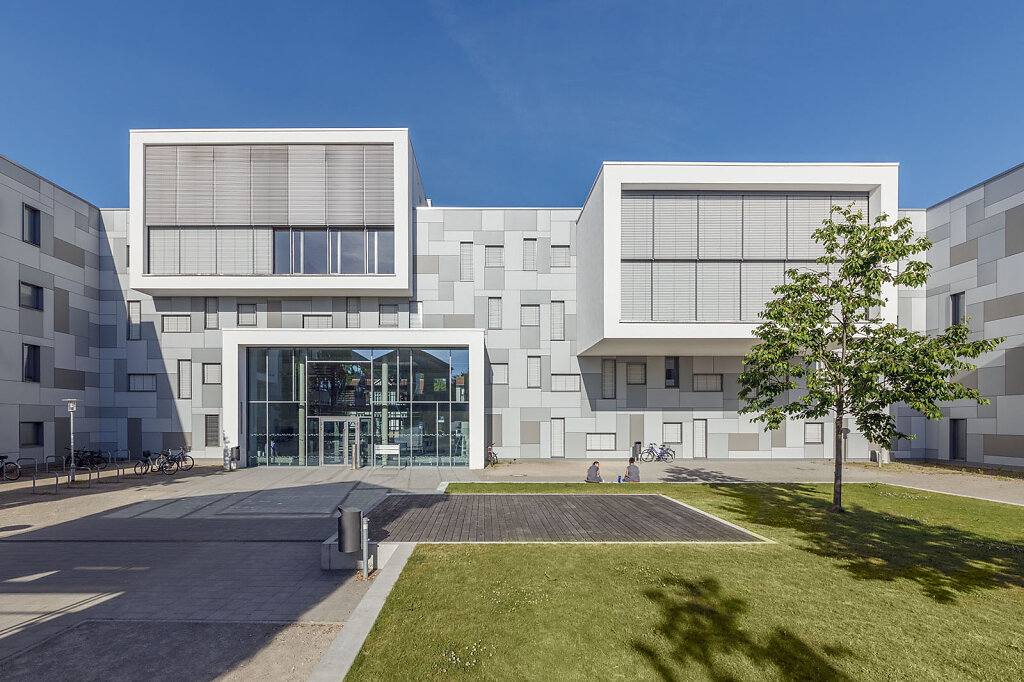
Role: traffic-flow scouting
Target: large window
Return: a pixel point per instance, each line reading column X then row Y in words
column 30, row 434
column 336, row 251
column 707, row 383
column 411, row 403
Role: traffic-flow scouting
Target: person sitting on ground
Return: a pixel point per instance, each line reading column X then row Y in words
column 632, row 472
column 594, row 473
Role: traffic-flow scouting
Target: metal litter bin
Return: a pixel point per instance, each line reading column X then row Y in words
column 636, row 450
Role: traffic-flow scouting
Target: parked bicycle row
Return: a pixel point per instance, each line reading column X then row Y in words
column 167, row 462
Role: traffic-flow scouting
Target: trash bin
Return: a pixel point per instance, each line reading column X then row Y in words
column 637, row 449
column 350, row 524
column 235, row 457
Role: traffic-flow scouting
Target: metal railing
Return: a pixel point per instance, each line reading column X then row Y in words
column 56, row 480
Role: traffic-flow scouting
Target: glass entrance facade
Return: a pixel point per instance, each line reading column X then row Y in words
column 404, row 406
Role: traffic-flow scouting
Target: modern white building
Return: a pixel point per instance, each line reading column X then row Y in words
column 295, row 294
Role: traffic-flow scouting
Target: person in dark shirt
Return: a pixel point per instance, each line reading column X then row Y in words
column 594, row 473
column 632, row 472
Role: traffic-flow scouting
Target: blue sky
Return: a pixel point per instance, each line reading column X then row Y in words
column 517, row 103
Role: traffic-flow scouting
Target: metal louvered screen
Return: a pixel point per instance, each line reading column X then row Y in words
column 246, row 314
column 161, row 185
column 533, row 371
column 415, row 314
column 758, row 279
column 352, row 312
column 636, row 373
column 674, row 289
column 211, row 373
column 720, row 225
column 529, row 315
column 262, row 250
column 636, row 292
column 171, row 324
column 379, row 184
column 388, row 313
column 637, row 225
column 675, row 226
column 558, row 437
column 345, row 190
column 558, row 320
column 269, row 185
column 672, row 432
column 529, row 254
column 718, row 292
column 563, row 383
column 494, row 313
column 859, row 201
column 707, row 383
column 600, row 441
column 164, row 251
column 235, row 251
column 499, row 374
column 764, row 226
column 560, row 256
column 212, row 430
column 494, row 256
column 307, row 184
column 316, row 321
column 195, row 185
column 608, row 379
column 805, row 215
column 212, row 316
column 198, row 251
column 232, row 193
column 466, row 261
column 184, row 379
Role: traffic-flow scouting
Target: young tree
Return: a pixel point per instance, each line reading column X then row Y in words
column 825, row 350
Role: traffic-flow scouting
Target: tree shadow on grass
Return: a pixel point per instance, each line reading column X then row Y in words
column 701, row 626
column 944, row 561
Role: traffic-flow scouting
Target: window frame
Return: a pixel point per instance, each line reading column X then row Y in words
column 494, row 301
column 574, row 384
column 633, row 381
column 560, row 250
column 393, row 311
column 36, row 295
column 808, row 438
column 38, row 434
column 529, row 250
column 607, row 363
column 317, row 316
column 958, row 308
column 530, row 361
column 211, row 307
column 672, row 371
column 699, row 376
column 182, row 384
column 141, row 381
column 600, row 435
column 174, row 316
column 498, row 253
column 214, row 420
column 215, row 369
column 491, row 374
column 36, row 227
column 31, row 354
column 666, row 437
column 239, row 313
column 534, row 315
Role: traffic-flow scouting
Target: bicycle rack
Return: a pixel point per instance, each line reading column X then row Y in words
column 56, row 480
column 50, row 459
column 31, row 461
column 117, row 469
column 85, row 470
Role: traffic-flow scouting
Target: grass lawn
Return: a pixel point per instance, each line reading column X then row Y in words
column 905, row 586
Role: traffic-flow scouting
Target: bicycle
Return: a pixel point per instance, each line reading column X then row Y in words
column 492, row 456
column 91, row 459
column 11, row 470
column 182, row 458
column 163, row 464
column 653, row 453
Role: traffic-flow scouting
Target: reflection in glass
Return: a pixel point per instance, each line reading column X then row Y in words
column 352, row 252
column 282, row 434
column 460, row 434
column 257, row 373
column 423, row 435
column 460, row 375
column 280, row 374
column 336, row 388
column 385, row 252
column 282, row 252
column 314, row 252
column 256, row 443
column 430, row 373
column 444, row 450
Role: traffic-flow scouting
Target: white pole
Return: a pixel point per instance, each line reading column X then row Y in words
column 72, row 444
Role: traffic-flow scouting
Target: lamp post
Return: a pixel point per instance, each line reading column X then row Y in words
column 72, row 406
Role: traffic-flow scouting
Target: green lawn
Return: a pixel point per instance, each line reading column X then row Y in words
column 907, row 585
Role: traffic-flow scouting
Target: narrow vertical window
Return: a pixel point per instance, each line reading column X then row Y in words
column 388, row 314
column 529, row 315
column 352, row 312
column 957, row 311
column 212, row 430
column 212, row 316
column 558, row 320
column 533, row 371
column 608, row 379
column 30, row 363
column 246, row 314
column 211, row 373
column 184, row 379
column 672, row 372
column 30, row 227
column 494, row 313
column 415, row 314
column 529, row 254
column 494, row 256
column 134, row 320
column 466, row 261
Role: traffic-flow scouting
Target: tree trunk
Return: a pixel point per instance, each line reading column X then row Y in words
column 837, row 484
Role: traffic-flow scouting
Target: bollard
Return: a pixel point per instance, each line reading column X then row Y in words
column 366, row 547
column 349, row 529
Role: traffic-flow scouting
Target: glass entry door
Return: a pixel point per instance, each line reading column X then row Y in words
column 339, row 441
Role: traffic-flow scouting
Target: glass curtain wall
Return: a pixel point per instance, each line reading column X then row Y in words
column 412, row 404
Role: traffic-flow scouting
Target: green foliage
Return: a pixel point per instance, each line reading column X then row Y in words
column 824, row 349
